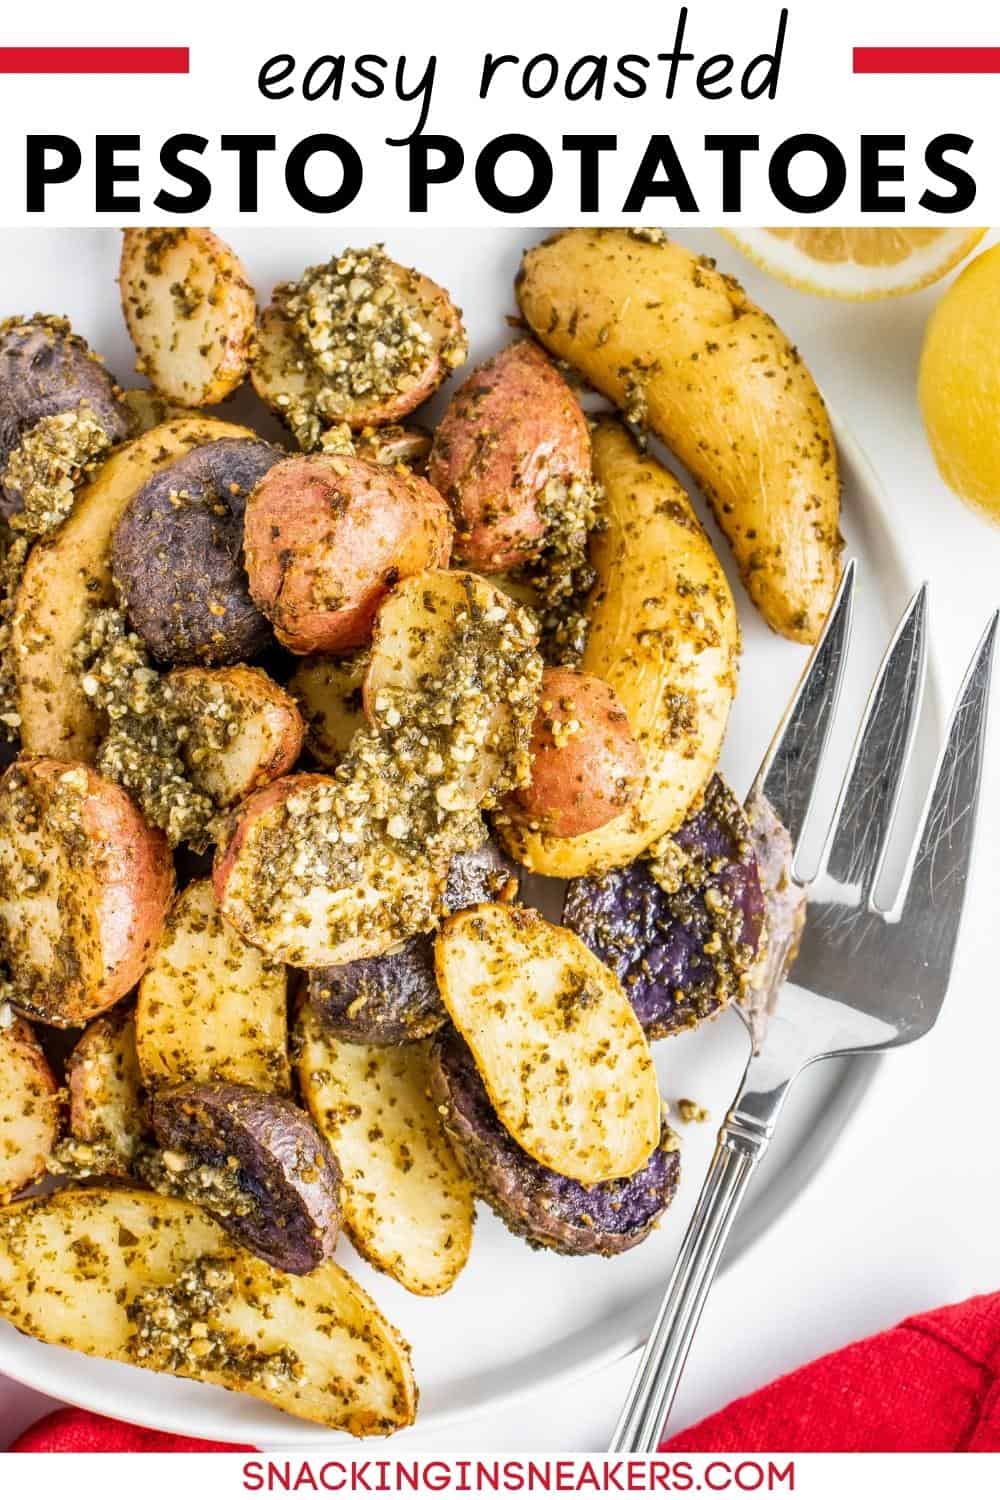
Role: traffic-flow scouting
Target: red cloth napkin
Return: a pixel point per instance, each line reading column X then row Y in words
column 930, row 1385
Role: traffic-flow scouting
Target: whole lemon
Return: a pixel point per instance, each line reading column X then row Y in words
column 960, row 384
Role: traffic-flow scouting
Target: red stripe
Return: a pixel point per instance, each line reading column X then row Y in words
column 94, row 60
column 927, row 59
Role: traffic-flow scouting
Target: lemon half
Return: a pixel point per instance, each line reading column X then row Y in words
column 859, row 264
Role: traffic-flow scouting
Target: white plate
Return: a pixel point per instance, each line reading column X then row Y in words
column 516, row 1319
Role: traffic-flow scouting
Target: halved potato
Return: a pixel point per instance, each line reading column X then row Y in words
column 84, row 888
column 328, row 691
column 190, row 310
column 665, row 636
column 155, row 1282
column 560, row 1050
column 106, row 1102
column 68, row 578
column 244, row 730
column 407, row 1206
column 29, row 1106
column 211, row 1009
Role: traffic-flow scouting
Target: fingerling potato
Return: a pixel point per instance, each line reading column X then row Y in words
column 563, row 1058
column 210, row 1007
column 407, row 1206
column 244, row 731
column 84, row 888
column 68, row 579
column 327, row 536
column 663, row 634
column 190, row 311
column 30, row 1113
column 510, row 430
column 361, row 340
column 107, row 1103
column 678, row 345
column 586, row 764
column 155, row 1282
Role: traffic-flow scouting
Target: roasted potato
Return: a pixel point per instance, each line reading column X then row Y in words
column 680, row 347
column 30, row 1113
column 394, row 445
column 157, row 1283
column 360, row 340
column 326, row 538
column 211, row 1009
column 407, row 1205
column 683, row 930
column 306, row 901
column 147, row 409
column 68, row 578
column 665, row 637
column 328, row 692
column 84, row 889
column 190, row 311
column 550, row 1211
column 107, row 1100
column 560, row 1051
column 255, row 1162
column 177, row 555
column 432, row 626
column 244, row 730
column 586, row 764
column 47, row 370
column 511, row 431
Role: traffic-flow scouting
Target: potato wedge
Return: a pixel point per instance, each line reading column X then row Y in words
column 84, row 887
column 29, row 1106
column 563, row 1058
column 245, row 731
column 407, row 1206
column 681, row 347
column 190, row 311
column 68, row 578
column 106, row 1099
column 155, row 1282
column 328, row 692
column 664, row 635
column 211, row 1009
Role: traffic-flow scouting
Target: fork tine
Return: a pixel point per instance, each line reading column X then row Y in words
column 866, row 806
column 788, row 773
column 935, row 891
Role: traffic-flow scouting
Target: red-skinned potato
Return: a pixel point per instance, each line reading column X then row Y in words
column 245, row 730
column 326, row 536
column 84, row 888
column 586, row 764
column 513, row 427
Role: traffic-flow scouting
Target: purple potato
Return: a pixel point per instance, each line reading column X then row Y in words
column 257, row 1163
column 394, row 998
column 548, row 1210
column 683, row 946
column 177, row 556
column 45, row 369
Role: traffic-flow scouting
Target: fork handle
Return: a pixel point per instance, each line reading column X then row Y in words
column 741, row 1146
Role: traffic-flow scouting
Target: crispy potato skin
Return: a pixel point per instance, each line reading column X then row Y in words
column 30, row 1112
column 79, row 942
column 269, row 737
column 354, row 1366
column 513, row 426
column 581, row 777
column 664, row 635
column 676, row 343
column 326, row 537
column 68, row 576
column 195, row 356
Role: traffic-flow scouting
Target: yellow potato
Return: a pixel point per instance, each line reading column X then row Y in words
column 106, row 1104
column 680, row 347
column 407, row 1205
column 30, row 1110
column 664, row 635
column 154, row 1282
column 558, row 1045
column 328, row 692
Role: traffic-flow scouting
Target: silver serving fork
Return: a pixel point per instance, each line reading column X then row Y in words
column 864, row 979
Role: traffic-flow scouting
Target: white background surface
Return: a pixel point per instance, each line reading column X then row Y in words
column 905, row 1215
